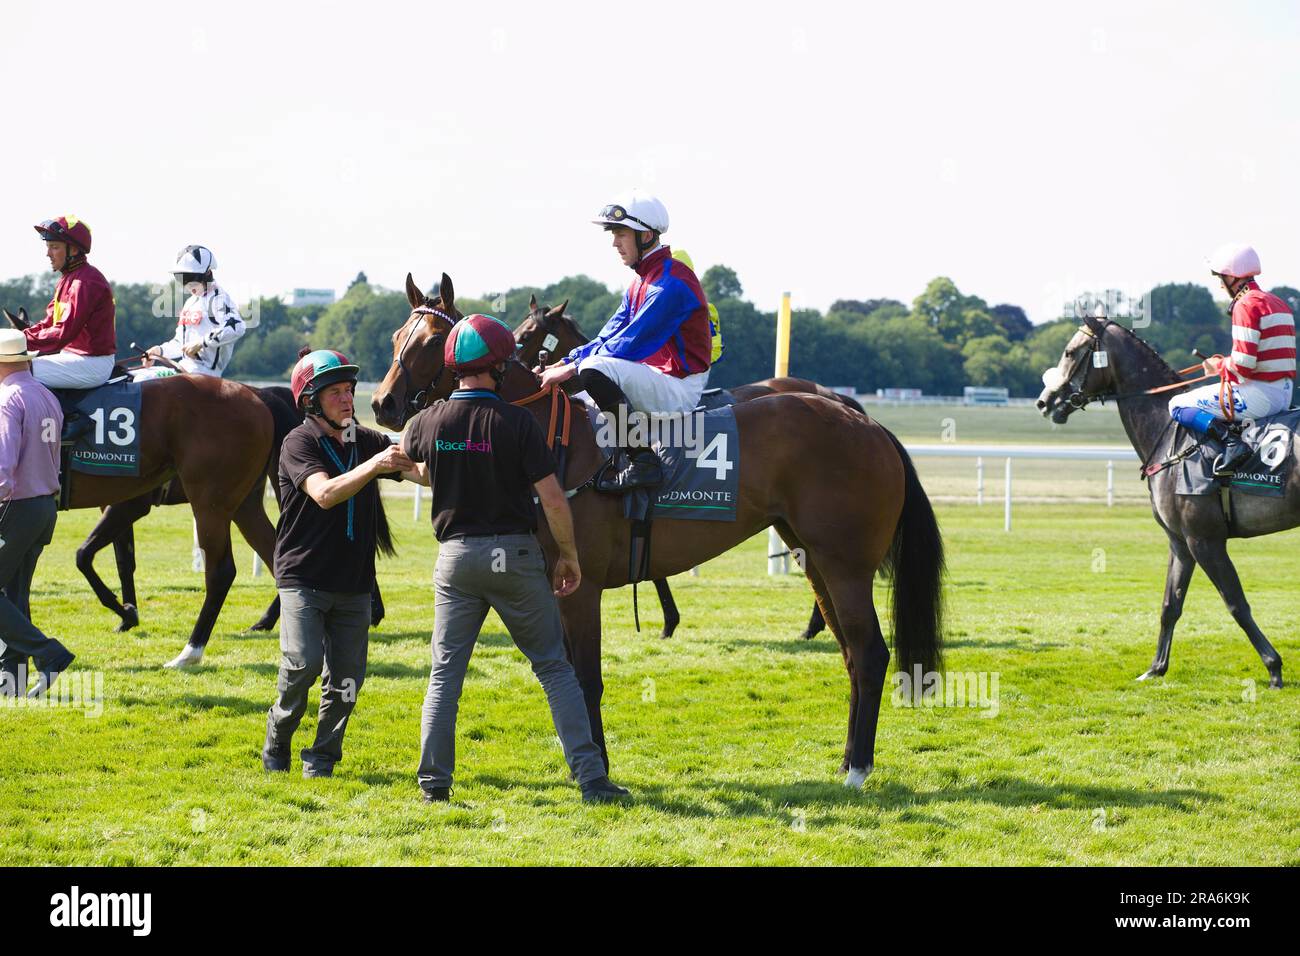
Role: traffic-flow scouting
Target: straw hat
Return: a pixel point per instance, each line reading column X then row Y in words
column 13, row 347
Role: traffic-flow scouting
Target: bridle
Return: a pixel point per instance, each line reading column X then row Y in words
column 540, row 324
column 1079, row 400
column 415, row 400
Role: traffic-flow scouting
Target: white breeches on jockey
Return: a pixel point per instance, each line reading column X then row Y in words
column 69, row 370
column 1250, row 399
column 648, row 389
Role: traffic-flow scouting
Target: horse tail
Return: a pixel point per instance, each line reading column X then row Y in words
column 285, row 417
column 852, row 403
column 915, row 565
column 383, row 533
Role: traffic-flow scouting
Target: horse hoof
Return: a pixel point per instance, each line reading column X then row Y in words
column 191, row 656
column 807, row 635
column 130, row 618
column 857, row 777
column 262, row 625
column 1150, row 674
column 1275, row 682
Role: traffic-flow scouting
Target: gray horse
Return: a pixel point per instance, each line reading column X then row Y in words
column 1105, row 360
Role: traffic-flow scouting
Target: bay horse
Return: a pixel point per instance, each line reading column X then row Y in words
column 806, row 461
column 1196, row 525
column 544, row 325
column 115, row 526
column 214, row 436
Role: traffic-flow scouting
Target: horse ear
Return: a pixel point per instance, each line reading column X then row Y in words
column 413, row 293
column 1096, row 325
column 560, row 309
column 532, row 302
column 446, row 292
column 22, row 316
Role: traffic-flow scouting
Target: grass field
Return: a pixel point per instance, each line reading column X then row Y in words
column 729, row 734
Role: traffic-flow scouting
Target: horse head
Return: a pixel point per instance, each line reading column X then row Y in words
column 546, row 329
column 1084, row 372
column 416, row 378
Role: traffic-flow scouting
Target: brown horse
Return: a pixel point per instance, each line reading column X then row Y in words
column 806, row 461
column 115, row 527
column 550, row 327
column 215, row 437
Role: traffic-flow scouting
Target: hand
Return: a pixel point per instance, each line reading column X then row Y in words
column 556, row 374
column 392, row 458
column 566, row 577
column 1213, row 364
column 193, row 350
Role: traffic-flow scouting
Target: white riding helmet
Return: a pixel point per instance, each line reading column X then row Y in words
column 637, row 210
column 194, row 260
column 1235, row 260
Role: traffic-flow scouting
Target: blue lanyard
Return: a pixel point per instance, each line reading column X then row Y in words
column 352, row 463
column 465, row 393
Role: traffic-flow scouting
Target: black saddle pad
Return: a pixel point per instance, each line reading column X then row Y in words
column 112, row 445
column 1272, row 440
column 712, row 398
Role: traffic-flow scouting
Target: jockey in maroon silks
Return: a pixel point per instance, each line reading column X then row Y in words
column 76, row 341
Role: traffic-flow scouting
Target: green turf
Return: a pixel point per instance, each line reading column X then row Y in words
column 729, row 734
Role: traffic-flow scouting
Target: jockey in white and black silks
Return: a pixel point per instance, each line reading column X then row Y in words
column 208, row 326
column 653, row 355
column 1260, row 372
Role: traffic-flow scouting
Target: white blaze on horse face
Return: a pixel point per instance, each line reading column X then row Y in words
column 1053, row 379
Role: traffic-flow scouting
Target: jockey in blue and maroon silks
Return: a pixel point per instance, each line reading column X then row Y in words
column 653, row 354
column 1261, row 369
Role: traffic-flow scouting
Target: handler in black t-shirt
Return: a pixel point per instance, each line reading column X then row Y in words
column 484, row 459
column 325, row 558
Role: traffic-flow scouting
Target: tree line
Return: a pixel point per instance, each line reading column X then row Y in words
column 944, row 340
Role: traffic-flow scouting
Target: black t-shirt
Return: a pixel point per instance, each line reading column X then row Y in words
column 484, row 456
column 326, row 549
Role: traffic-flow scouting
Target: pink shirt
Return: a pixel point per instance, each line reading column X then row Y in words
column 30, row 424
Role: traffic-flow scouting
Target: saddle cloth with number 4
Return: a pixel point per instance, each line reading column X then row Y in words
column 701, row 462
column 112, row 445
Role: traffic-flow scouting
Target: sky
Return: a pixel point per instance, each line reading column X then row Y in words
column 1028, row 151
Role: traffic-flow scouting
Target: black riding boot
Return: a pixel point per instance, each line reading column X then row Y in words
column 75, row 424
column 633, row 466
column 1235, row 451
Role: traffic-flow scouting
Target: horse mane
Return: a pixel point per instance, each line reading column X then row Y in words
column 1159, row 362
column 573, row 327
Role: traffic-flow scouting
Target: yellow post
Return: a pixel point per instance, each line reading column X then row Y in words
column 783, row 337
column 775, row 546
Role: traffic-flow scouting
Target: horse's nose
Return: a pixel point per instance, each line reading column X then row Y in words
column 384, row 408
column 1042, row 405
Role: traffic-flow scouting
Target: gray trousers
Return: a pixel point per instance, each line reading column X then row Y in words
column 26, row 528
column 321, row 632
column 506, row 573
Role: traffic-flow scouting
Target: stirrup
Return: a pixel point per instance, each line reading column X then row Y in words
column 643, row 470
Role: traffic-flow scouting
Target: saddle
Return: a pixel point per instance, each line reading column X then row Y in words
column 1265, row 473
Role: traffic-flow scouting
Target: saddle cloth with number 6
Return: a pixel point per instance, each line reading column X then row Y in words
column 1272, row 441
column 112, row 444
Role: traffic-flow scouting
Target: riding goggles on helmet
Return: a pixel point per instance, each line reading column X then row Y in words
column 617, row 214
